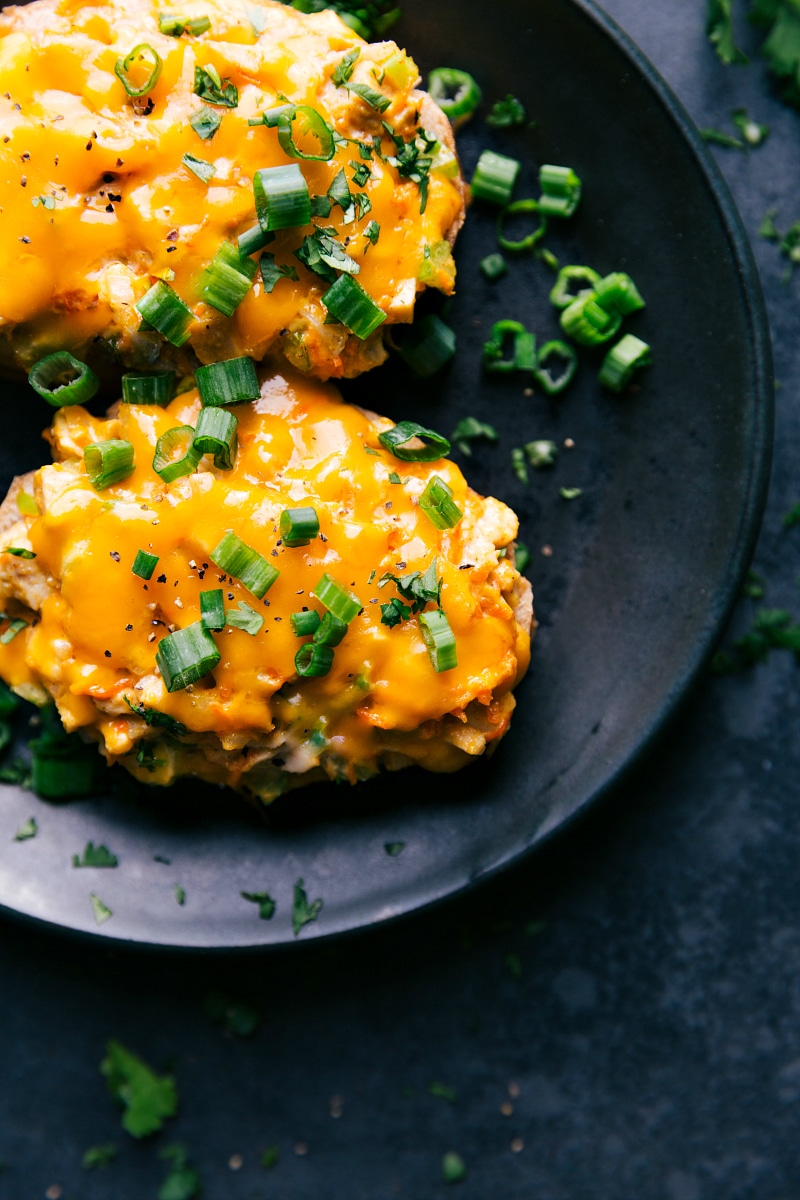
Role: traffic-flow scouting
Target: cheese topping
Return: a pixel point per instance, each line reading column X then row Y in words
column 96, row 201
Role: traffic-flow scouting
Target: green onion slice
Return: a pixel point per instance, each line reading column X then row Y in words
column 436, row 501
column 331, row 630
column 522, row 245
column 338, row 599
column 216, row 434
column 440, row 639
column 61, row 379
column 622, row 360
column 175, row 454
column 552, row 384
column 494, row 178
column 428, row 345
column 618, row 293
column 15, row 626
column 305, row 623
column 298, row 526
column 227, row 279
column 232, row 381
column 493, row 266
column 144, row 564
column 155, row 388
column 163, row 308
column 242, row 562
column 541, row 454
column 395, row 440
column 456, row 92
column 523, row 348
column 305, row 122
column 174, row 26
column 29, row 508
column 254, row 239
column 561, row 191
column 126, row 68
column 589, row 324
column 185, row 656
column 282, row 198
column 108, row 462
column 212, row 608
column 564, row 291
column 19, row 552
column 313, row 660
column 349, row 303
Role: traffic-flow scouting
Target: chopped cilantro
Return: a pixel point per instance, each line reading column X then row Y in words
column 269, row 1157
column 180, row 894
column 16, row 772
column 209, row 87
column 768, row 229
column 395, row 478
column 98, row 1156
column 8, row 701
column 469, row 429
column 752, row 132
column 443, row 1091
column 343, row 73
column 361, row 172
column 394, row 848
column 27, row 830
column 718, row 138
column 372, row 233
column 271, row 272
column 394, row 612
column 541, row 454
column 339, row 192
column 323, row 255
column 719, row 28
column 95, row 856
column 416, row 588
column 266, row 905
column 413, row 159
column 206, row 123
column 148, row 1099
column 152, row 716
column 370, row 96
column 303, row 912
column 772, row 629
column 753, row 586
column 369, row 18
column 199, row 167
column 522, row 556
column 518, row 464
column 182, row 1182
column 101, row 911
column 453, row 1168
column 505, row 114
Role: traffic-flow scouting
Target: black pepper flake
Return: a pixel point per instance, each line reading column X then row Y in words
column 107, row 653
column 23, row 181
column 388, row 505
column 277, row 618
column 6, row 140
column 205, row 566
column 466, row 566
column 25, row 239
column 230, row 595
column 115, row 196
column 88, row 146
column 119, row 162
column 401, row 566
column 161, row 579
column 171, row 249
column 25, row 156
column 274, row 553
column 115, row 555
column 201, row 574
column 128, row 628
column 172, row 236
column 175, row 583
column 109, row 208
column 108, row 177
column 322, row 537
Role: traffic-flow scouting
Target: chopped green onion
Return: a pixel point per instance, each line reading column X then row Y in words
column 563, row 294
column 206, row 123
column 144, row 564
column 313, row 660
column 522, row 245
column 304, row 623
column 588, row 323
column 242, row 562
column 155, row 388
column 209, row 87
column 245, row 618
column 622, row 360
column 439, row 638
column 298, row 526
column 437, row 503
column 163, row 308
column 61, row 379
column 143, row 53
column 216, row 434
column 18, row 552
column 307, row 122
column 395, row 440
column 254, row 239
column 199, row 167
column 232, row 381
column 15, row 626
column 618, row 293
column 227, row 279
column 108, row 462
column 185, row 656
column 570, row 493
column 541, row 454
column 493, row 266
column 427, row 346
column 522, row 556
column 555, row 384
column 506, row 114
column 753, row 133
column 456, row 93
column 331, row 630
column 175, row 454
column 523, row 348
column 282, row 197
column 343, row 603
column 355, row 308
column 518, row 464
column 212, row 608
column 494, row 178
column 175, row 26
column 469, row 429
column 561, row 191
column 29, row 508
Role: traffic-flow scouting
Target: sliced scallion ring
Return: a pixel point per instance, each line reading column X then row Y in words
column 338, row 599
column 622, row 360
column 564, row 293
column 395, row 440
column 305, row 623
column 313, row 660
column 523, row 348
column 589, row 324
column 125, row 68
column 212, row 608
column 186, row 655
column 232, row 381
column 227, row 279
column 282, row 198
column 144, row 564
column 298, row 526
column 437, row 502
column 331, row 630
column 561, row 191
column 61, row 379
column 494, row 178
column 553, row 385
column 175, row 454
column 529, row 242
column 254, row 239
column 347, row 301
column 108, row 462
column 216, row 434
column 618, row 293
column 439, row 638
column 302, row 121
column 456, row 93
column 155, row 388
column 242, row 562
column 163, row 308
column 428, row 346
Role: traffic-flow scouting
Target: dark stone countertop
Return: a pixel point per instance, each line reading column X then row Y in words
column 618, row 1018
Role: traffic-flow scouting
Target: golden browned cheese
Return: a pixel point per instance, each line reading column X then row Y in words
column 94, row 626
column 96, row 202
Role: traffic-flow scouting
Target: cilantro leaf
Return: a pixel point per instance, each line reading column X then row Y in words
column 182, row 1182
column 98, row 1156
column 303, row 912
column 394, row 612
column 206, row 123
column 323, row 255
column 199, row 167
column 506, row 114
column 417, row 589
column 271, row 272
column 148, row 1099
column 180, row 894
column 101, row 911
column 752, row 132
column 95, row 856
column 151, row 716
column 469, row 429
column 266, row 905
column 269, row 1157
column 343, row 73
column 394, row 848
column 719, row 30
column 28, row 829
column 209, row 87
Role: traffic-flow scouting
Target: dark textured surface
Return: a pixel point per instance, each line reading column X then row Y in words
column 650, row 1023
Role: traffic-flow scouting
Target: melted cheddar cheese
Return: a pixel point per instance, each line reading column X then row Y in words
column 96, row 202
column 92, row 645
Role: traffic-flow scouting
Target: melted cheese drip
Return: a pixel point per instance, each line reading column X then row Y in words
column 124, row 210
column 298, row 445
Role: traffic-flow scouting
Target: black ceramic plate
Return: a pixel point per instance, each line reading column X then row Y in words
column 645, row 564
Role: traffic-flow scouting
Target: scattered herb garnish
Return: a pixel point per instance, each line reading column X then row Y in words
column 470, row 429
column 752, row 132
column 180, row 894
column 238, row 1018
column 506, row 114
column 101, row 911
column 269, row 1157
column 753, row 586
column 152, row 716
column 148, row 1099
column 570, row 493
column 27, row 830
column 454, row 1169
column 98, row 1156
column 182, row 1182
column 417, row 589
column 394, row 848
column 718, row 137
column 209, row 87
column 303, row 912
column 518, row 464
column 443, row 1091
column 719, row 28
column 95, row 856
column 266, row 905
